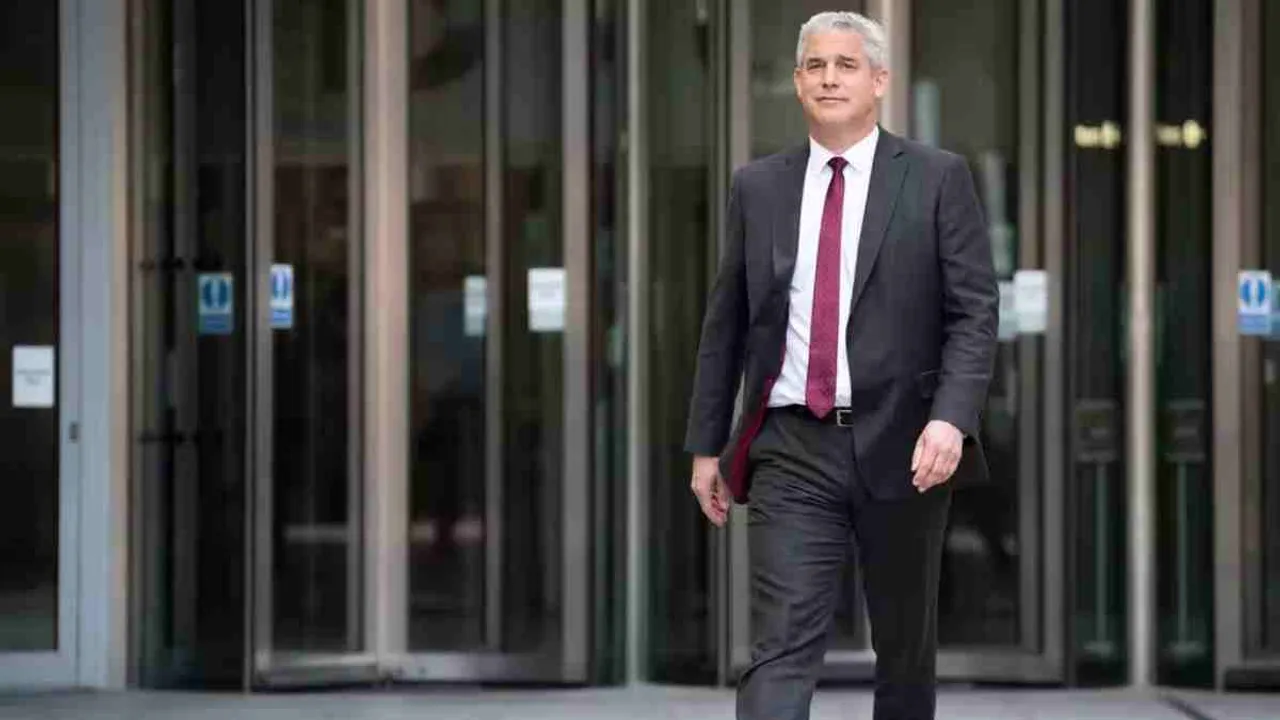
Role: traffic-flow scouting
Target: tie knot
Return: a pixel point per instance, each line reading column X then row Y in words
column 837, row 163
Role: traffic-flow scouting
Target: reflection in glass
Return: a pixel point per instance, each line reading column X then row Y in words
column 315, row 523
column 451, row 288
column 1184, row 231
column 608, row 337
column 448, row 268
column 29, row 261
column 681, row 141
column 965, row 99
column 533, row 346
column 190, row 414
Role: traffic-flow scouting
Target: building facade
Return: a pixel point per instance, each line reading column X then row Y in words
column 352, row 340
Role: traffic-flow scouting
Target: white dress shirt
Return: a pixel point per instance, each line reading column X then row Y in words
column 789, row 388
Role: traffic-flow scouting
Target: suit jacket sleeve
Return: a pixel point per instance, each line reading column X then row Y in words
column 720, row 350
column 970, row 302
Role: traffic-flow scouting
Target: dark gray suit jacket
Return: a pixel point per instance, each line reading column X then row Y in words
column 921, row 338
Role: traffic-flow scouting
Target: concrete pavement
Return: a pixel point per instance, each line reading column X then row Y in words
column 647, row 702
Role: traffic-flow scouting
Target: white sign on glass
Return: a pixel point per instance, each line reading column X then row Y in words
column 33, row 376
column 546, row 299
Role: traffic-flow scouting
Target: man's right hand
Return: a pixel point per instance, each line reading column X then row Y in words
column 710, row 489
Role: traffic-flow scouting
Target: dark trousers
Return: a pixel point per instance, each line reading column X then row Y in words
column 807, row 511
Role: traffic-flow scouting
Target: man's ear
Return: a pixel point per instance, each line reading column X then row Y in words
column 881, row 83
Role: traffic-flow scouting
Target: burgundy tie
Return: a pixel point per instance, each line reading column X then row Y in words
column 824, row 323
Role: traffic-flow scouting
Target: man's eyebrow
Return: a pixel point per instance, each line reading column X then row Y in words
column 822, row 58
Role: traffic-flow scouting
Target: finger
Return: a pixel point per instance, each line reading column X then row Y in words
column 928, row 455
column 709, row 499
column 709, row 510
column 953, row 462
column 929, row 469
column 915, row 456
column 722, row 496
column 714, row 513
column 944, row 468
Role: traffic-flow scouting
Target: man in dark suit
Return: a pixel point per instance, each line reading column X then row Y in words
column 865, row 237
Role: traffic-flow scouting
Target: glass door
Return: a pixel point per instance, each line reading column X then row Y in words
column 37, row 356
column 303, row 322
column 1096, row 43
column 190, row 343
column 498, row 503
column 246, row 285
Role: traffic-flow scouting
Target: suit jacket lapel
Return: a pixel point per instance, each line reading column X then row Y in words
column 887, row 171
column 786, row 220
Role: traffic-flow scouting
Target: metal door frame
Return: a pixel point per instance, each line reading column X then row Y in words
column 1041, row 656
column 268, row 666
column 1237, row 364
column 58, row 667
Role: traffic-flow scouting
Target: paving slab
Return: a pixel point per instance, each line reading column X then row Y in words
column 630, row 703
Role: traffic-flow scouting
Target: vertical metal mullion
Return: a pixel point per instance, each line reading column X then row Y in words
column 72, row 198
column 1236, row 520
column 1030, row 378
column 638, row 344
column 386, row 311
column 495, row 267
column 736, row 650
column 578, row 421
column 141, row 62
column 355, row 326
column 1252, row 363
column 895, row 16
column 1053, row 437
column 260, row 76
column 1140, row 430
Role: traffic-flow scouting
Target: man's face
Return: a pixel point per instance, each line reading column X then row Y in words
column 835, row 83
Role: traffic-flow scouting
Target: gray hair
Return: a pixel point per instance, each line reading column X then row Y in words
column 874, row 42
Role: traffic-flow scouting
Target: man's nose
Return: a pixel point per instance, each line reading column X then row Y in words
column 829, row 75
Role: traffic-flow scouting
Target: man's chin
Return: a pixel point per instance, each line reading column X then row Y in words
column 833, row 119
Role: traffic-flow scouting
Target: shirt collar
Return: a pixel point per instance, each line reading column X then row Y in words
column 860, row 156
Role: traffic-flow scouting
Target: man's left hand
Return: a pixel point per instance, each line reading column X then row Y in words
column 937, row 454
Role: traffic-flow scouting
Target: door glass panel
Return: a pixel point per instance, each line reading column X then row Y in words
column 533, row 338
column 608, row 336
column 480, row 580
column 1184, row 213
column 965, row 75
column 190, row 411
column 1096, row 44
column 1271, row 350
column 680, row 115
column 448, row 267
column 316, row 513
column 29, row 317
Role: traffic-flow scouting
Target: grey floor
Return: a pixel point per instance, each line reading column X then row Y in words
column 616, row 704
